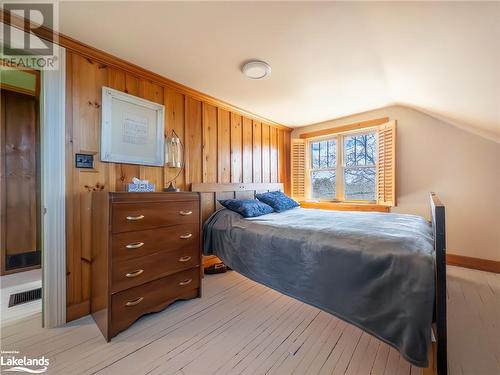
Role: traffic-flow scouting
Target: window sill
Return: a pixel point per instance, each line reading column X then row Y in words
column 341, row 206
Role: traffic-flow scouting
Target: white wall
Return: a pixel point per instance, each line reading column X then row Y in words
column 463, row 168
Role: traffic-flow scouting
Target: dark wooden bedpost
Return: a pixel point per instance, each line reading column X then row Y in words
column 438, row 226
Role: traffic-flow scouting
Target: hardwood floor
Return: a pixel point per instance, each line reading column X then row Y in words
column 240, row 327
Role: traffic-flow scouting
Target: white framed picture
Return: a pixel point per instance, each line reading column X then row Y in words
column 132, row 129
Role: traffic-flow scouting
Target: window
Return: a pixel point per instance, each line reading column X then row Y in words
column 349, row 163
column 323, row 169
column 343, row 168
column 360, row 166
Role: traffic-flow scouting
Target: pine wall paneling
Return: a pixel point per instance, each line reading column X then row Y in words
column 220, row 145
column 209, row 143
column 257, row 151
column 266, row 154
column 193, row 141
column 273, row 134
column 223, row 146
column 236, row 148
column 247, row 149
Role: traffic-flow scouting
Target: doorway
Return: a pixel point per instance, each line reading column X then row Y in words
column 20, row 235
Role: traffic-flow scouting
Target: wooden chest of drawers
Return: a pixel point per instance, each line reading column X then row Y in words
column 146, row 254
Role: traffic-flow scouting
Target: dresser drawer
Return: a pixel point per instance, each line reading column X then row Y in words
column 128, row 245
column 146, row 215
column 132, row 272
column 130, row 304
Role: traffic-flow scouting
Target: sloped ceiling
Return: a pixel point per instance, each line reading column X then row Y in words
column 328, row 59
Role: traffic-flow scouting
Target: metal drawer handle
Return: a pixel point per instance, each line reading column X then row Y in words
column 134, row 302
column 185, row 258
column 185, row 213
column 186, row 236
column 185, row 282
column 134, row 273
column 135, row 218
column 135, row 245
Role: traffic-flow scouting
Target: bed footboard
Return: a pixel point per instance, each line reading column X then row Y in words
column 440, row 328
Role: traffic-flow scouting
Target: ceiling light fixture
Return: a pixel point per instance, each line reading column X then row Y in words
column 256, row 69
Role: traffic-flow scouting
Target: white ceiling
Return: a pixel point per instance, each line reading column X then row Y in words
column 328, row 59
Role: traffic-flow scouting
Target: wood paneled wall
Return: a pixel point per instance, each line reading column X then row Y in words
column 221, row 146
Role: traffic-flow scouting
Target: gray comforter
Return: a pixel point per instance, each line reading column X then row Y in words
column 374, row 270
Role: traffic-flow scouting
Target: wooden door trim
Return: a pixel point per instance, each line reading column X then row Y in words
column 19, row 90
column 53, row 203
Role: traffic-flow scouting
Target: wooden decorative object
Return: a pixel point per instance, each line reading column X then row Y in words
column 132, row 129
column 145, row 255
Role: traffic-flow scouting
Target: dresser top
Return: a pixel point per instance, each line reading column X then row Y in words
column 151, row 197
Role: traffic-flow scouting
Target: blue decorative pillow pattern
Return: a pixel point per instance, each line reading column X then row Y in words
column 277, row 200
column 247, row 207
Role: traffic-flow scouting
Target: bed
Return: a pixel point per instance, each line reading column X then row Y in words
column 381, row 272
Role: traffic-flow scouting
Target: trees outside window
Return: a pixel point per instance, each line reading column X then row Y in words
column 344, row 167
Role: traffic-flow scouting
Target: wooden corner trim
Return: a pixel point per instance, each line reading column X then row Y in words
column 20, row 90
column 345, row 128
column 474, row 263
column 100, row 56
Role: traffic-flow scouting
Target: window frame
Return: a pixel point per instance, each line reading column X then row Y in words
column 340, row 165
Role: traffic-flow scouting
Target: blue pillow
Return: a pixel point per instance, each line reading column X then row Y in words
column 277, row 200
column 247, row 207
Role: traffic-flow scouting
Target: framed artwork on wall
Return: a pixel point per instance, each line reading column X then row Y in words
column 132, row 129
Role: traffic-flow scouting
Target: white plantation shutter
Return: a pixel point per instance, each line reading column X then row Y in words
column 386, row 164
column 298, row 168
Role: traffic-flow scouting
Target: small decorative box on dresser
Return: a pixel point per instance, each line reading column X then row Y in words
column 146, row 254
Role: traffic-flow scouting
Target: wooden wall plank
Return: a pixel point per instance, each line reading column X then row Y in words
column 257, row 151
column 209, row 143
column 116, row 79
column 247, row 139
column 123, row 173
column 223, row 146
column 287, row 178
column 87, row 80
column 266, row 154
column 236, row 148
column 193, row 134
column 154, row 93
column 281, row 156
column 131, row 85
column 274, row 153
column 174, row 108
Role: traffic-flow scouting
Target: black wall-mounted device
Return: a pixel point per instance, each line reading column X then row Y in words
column 84, row 161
